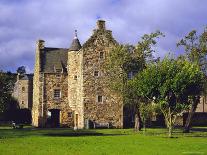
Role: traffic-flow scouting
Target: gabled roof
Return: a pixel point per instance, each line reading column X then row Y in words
column 26, row 77
column 54, row 58
column 96, row 34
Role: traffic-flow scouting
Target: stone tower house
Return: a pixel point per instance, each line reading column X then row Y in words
column 23, row 90
column 69, row 85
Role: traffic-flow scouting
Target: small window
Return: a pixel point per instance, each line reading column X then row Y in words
column 100, row 99
column 58, row 75
column 101, row 55
column 75, row 77
column 70, row 114
column 96, row 73
column 58, row 70
column 23, row 89
column 22, row 102
column 57, row 93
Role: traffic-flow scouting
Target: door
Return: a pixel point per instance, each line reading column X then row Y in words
column 55, row 117
column 76, row 120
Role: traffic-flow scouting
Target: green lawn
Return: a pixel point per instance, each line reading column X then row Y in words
column 106, row 141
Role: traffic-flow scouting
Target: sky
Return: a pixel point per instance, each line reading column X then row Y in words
column 23, row 22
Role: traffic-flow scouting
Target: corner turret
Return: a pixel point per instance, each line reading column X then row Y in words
column 75, row 45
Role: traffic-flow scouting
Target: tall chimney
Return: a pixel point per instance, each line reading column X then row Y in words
column 40, row 44
column 101, row 25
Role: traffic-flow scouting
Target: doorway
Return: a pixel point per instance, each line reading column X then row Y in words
column 55, row 118
column 76, row 120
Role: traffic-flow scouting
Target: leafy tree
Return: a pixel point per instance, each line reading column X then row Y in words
column 196, row 51
column 169, row 84
column 125, row 60
column 6, row 88
column 21, row 70
column 146, row 112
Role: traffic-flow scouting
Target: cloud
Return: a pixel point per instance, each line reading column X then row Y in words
column 22, row 22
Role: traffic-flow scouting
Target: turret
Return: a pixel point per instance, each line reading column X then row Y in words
column 75, row 45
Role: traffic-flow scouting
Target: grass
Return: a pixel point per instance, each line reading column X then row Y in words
column 104, row 141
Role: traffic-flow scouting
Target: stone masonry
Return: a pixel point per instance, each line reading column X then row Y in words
column 70, row 85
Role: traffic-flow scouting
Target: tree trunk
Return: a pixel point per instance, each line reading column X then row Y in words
column 170, row 124
column 196, row 100
column 137, row 125
column 144, row 126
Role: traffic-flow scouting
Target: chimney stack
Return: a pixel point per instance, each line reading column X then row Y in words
column 40, row 44
column 101, row 25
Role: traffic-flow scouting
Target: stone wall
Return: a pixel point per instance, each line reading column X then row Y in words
column 202, row 106
column 51, row 82
column 111, row 109
column 23, row 93
column 75, row 93
column 37, row 86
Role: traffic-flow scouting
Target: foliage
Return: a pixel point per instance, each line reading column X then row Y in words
column 169, row 83
column 195, row 47
column 6, row 88
column 21, row 70
column 146, row 112
column 124, row 59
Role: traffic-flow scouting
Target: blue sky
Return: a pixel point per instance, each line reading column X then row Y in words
column 22, row 22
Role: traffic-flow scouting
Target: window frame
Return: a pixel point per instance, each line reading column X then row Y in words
column 101, row 55
column 55, row 96
column 98, row 99
column 98, row 73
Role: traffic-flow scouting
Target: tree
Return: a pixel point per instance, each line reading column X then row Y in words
column 21, row 70
column 146, row 112
column 123, row 62
column 196, row 51
column 169, row 83
column 6, row 88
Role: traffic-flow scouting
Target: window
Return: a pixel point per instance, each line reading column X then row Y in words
column 70, row 114
column 101, row 55
column 75, row 77
column 96, row 73
column 100, row 99
column 58, row 75
column 23, row 89
column 22, row 102
column 57, row 93
column 58, row 70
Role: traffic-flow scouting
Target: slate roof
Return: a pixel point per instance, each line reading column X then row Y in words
column 26, row 77
column 54, row 58
column 75, row 45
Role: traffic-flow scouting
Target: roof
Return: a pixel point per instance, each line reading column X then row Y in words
column 96, row 33
column 26, row 77
column 75, row 45
column 54, row 58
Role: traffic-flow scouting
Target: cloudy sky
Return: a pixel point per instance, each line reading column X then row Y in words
column 22, row 22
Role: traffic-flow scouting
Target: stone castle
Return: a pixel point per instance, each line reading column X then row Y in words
column 69, row 84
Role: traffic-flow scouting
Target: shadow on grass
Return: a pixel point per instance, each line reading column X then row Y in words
column 52, row 132
column 199, row 129
column 80, row 134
